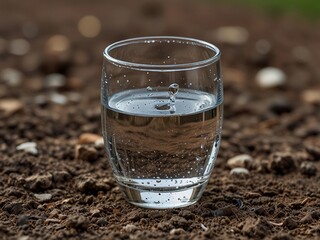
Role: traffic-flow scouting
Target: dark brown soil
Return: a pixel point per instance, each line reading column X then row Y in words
column 58, row 194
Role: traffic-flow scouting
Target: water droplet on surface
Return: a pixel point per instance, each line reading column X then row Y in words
column 158, row 181
column 170, row 105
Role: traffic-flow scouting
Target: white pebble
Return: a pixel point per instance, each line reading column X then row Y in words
column 130, row 228
column 239, row 172
column 242, row 161
column 43, row 196
column 55, row 80
column 99, row 143
column 270, row 77
column 19, row 47
column 232, row 35
column 58, row 98
column 30, row 147
column 11, row 76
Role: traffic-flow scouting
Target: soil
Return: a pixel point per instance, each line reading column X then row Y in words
column 59, row 189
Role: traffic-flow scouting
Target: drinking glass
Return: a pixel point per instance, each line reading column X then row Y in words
column 161, row 117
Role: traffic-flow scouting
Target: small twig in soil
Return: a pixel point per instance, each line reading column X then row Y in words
column 275, row 224
column 204, row 227
column 305, row 201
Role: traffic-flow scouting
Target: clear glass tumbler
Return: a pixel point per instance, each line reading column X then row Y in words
column 161, row 117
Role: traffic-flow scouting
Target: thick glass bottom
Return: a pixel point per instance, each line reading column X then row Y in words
column 160, row 198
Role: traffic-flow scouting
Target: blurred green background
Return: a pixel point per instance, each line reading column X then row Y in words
column 307, row 8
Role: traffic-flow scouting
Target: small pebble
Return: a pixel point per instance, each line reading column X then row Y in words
column 89, row 26
column 179, row 221
column 95, row 212
column 240, row 161
column 13, row 208
column 290, row 223
column 10, row 106
column 58, row 98
column 314, row 151
column 86, row 153
column 22, row 220
column 239, row 172
column 282, row 163
column 55, row 80
column 177, row 231
column 38, row 182
column 270, row 77
column 102, row 222
column 57, row 44
column 19, row 47
column 60, row 176
column 308, row 169
column 130, row 228
column 234, row 35
column 40, row 100
column 86, row 138
column 311, row 96
column 23, row 238
column 43, row 197
column 11, row 76
column 77, row 222
column 280, row 106
column 301, row 53
column 263, row 46
column 92, row 186
column 30, row 147
column 73, row 97
column 165, row 226
column 99, row 143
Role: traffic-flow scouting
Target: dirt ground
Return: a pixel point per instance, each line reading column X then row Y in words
column 49, row 192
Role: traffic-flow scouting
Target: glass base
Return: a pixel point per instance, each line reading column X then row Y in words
column 156, row 199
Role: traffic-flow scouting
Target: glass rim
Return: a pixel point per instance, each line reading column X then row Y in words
column 162, row 67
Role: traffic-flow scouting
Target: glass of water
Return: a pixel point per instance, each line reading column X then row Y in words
column 161, row 117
